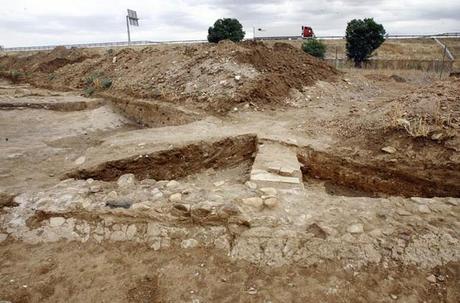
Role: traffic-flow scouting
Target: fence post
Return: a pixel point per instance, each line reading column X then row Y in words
column 336, row 61
column 442, row 63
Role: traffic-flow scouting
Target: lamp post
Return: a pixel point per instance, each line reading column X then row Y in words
column 131, row 19
column 254, row 32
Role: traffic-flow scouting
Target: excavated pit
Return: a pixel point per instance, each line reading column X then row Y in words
column 375, row 179
column 54, row 106
column 177, row 162
column 152, row 113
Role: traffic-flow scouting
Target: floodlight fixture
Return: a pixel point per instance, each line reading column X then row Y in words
column 133, row 20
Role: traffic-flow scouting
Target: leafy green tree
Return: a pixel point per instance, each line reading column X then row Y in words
column 226, row 28
column 314, row 47
column 363, row 37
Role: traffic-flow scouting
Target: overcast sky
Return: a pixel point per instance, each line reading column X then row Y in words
column 43, row 22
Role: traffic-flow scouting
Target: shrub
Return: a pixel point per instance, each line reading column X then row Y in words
column 363, row 37
column 16, row 76
column 226, row 28
column 94, row 82
column 89, row 91
column 314, row 47
column 106, row 83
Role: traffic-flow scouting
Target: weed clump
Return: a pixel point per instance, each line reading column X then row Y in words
column 94, row 82
column 16, row 76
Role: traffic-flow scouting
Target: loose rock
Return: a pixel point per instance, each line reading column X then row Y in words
column 254, row 202
column 270, row 191
column 172, row 183
column 271, row 202
column 357, row 228
column 189, row 243
column 80, row 160
column 424, row 209
column 177, row 197
column 431, row 279
column 57, row 221
column 389, row 149
column 251, row 185
column 126, row 180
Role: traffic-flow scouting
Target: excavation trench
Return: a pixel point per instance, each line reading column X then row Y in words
column 54, row 106
column 177, row 162
column 151, row 113
column 381, row 178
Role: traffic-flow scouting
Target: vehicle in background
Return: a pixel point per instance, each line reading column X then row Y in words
column 307, row 32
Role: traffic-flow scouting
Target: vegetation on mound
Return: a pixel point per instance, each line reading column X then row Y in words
column 314, row 47
column 96, row 81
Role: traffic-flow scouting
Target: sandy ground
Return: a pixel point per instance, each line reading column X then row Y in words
column 358, row 225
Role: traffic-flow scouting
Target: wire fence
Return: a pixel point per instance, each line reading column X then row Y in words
column 146, row 42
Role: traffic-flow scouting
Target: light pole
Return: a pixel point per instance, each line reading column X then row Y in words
column 131, row 19
column 254, row 32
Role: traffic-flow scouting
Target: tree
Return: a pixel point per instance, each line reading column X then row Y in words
column 226, row 28
column 363, row 37
column 314, row 47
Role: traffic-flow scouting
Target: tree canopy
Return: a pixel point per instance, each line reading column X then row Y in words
column 363, row 37
column 226, row 28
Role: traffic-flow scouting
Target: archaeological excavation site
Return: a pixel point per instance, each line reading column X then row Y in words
column 226, row 172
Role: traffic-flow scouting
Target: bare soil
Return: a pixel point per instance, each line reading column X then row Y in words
column 292, row 182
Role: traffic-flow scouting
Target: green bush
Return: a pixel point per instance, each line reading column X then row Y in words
column 226, row 28
column 106, row 83
column 94, row 82
column 16, row 76
column 314, row 47
column 89, row 91
column 363, row 37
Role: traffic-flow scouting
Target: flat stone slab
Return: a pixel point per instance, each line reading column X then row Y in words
column 276, row 165
column 269, row 177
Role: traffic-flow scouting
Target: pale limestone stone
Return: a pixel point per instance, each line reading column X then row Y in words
column 254, row 202
column 177, row 197
column 424, row 209
column 189, row 243
column 118, row 236
column 270, row 191
column 389, row 149
column 172, row 183
column 271, row 202
column 126, row 180
column 131, row 231
column 219, row 183
column 251, row 185
column 80, row 160
column 357, row 228
column 57, row 221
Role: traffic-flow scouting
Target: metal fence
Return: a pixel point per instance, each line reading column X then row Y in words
column 145, row 42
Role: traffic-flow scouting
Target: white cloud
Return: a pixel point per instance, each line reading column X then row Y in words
column 40, row 22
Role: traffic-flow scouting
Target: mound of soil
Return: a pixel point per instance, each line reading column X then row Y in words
column 283, row 67
column 213, row 77
column 45, row 62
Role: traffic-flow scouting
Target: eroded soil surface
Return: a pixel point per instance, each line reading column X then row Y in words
column 345, row 187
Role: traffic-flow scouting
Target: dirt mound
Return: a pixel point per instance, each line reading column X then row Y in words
column 214, row 77
column 44, row 62
column 283, row 67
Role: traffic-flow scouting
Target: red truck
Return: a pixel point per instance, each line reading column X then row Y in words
column 307, row 32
